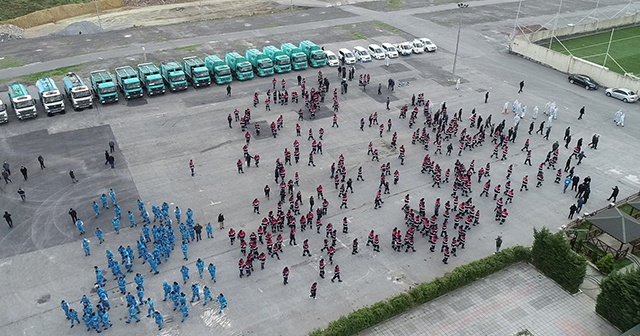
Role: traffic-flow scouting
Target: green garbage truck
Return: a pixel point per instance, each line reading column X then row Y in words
column 23, row 105
column 239, row 66
column 174, row 76
column 128, row 82
column 262, row 64
column 298, row 57
column 103, row 87
column 281, row 62
column 151, row 79
column 317, row 57
column 197, row 73
column 218, row 69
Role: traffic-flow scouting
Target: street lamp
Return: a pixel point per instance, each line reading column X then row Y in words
column 455, row 55
column 98, row 13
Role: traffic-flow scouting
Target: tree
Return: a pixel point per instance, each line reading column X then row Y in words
column 619, row 299
column 552, row 255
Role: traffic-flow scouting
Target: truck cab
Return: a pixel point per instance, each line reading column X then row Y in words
column 4, row 117
column 77, row 91
column 196, row 71
column 316, row 56
column 23, row 105
column 262, row 64
column 173, row 76
column 50, row 97
column 103, row 87
column 239, row 66
column 281, row 61
column 128, row 82
column 218, row 69
column 298, row 57
column 151, row 79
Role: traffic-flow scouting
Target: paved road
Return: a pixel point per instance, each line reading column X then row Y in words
column 157, row 136
column 516, row 299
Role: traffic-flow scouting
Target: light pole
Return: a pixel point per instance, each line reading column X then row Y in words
column 455, row 55
column 98, row 13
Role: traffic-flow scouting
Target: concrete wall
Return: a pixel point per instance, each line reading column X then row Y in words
column 55, row 14
column 525, row 46
column 586, row 27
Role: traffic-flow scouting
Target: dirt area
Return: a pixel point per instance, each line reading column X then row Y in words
column 163, row 14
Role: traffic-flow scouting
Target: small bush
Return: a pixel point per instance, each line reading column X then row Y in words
column 619, row 299
column 606, row 263
column 369, row 316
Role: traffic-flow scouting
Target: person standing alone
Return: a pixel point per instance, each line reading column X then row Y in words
column 521, row 87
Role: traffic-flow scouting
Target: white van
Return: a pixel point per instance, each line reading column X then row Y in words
column 332, row 59
column 428, row 45
column 4, row 117
column 418, row 47
column 405, row 48
column 362, row 54
column 390, row 50
column 376, row 52
column 346, row 56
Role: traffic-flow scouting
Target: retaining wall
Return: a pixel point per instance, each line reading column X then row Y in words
column 525, row 46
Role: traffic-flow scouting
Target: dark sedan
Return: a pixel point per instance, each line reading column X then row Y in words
column 584, row 81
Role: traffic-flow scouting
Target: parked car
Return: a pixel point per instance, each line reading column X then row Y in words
column 584, row 81
column 376, row 52
column 405, row 48
column 623, row 94
column 428, row 45
column 362, row 54
column 417, row 47
column 346, row 56
column 332, row 59
column 390, row 50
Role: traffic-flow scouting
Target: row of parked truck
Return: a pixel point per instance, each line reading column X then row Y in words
column 152, row 80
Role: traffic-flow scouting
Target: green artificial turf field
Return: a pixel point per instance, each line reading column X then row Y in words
column 625, row 49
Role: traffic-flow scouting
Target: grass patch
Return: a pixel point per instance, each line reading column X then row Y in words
column 189, row 48
column 6, row 63
column 386, row 27
column 593, row 48
column 395, row 4
column 15, row 8
column 358, row 36
column 53, row 73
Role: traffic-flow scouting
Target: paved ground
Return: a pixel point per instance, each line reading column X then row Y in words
column 518, row 298
column 157, row 136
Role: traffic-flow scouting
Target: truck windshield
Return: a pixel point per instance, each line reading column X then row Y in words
column 223, row 72
column 51, row 99
column 81, row 94
column 154, row 82
column 285, row 61
column 132, row 86
column 201, row 74
column 300, row 58
column 265, row 64
column 244, row 68
column 177, row 78
column 108, row 90
column 24, row 104
column 319, row 56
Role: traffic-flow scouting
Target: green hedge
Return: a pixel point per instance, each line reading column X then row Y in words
column 619, row 299
column 552, row 255
column 369, row 316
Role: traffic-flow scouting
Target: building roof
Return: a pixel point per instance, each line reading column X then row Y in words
column 617, row 224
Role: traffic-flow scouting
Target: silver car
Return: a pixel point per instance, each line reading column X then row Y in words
column 623, row 94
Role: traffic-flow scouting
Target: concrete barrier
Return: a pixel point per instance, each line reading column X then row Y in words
column 54, row 14
column 525, row 46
